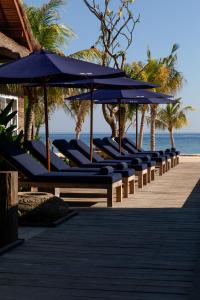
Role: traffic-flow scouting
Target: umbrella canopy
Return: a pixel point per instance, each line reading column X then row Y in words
column 118, row 94
column 104, row 83
column 137, row 100
column 107, row 94
column 42, row 66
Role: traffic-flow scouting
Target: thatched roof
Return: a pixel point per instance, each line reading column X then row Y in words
column 10, row 49
column 15, row 26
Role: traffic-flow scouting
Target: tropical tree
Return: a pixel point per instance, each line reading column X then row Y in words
column 116, row 24
column 45, row 25
column 173, row 116
column 158, row 71
column 51, row 35
column 78, row 110
column 54, row 36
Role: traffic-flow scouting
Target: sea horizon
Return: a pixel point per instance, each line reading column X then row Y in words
column 185, row 142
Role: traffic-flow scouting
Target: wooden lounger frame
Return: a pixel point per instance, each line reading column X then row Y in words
column 161, row 166
column 128, row 185
column 142, row 178
column 111, row 188
column 151, row 174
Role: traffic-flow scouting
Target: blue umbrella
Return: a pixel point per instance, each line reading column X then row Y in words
column 113, row 86
column 118, row 94
column 106, row 83
column 42, row 66
column 110, row 83
column 107, row 94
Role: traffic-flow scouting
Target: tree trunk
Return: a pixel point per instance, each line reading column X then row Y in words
column 29, row 117
column 142, row 128
column 153, row 126
column 37, row 130
column 110, row 120
column 172, row 138
column 29, row 121
column 77, row 135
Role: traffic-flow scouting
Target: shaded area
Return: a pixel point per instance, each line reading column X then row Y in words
column 140, row 253
column 107, row 254
column 193, row 200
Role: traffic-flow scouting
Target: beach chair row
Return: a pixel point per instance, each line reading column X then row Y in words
column 116, row 175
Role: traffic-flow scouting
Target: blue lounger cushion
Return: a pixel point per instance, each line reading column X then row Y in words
column 106, row 170
column 38, row 150
column 85, row 150
column 72, row 153
column 162, row 152
column 125, row 154
column 27, row 165
column 156, row 156
column 74, row 177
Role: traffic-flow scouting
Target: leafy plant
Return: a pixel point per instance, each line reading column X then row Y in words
column 9, row 131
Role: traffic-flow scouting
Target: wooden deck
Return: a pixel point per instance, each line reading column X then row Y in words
column 147, row 250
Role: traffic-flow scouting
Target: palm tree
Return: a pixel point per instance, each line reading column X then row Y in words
column 173, row 116
column 51, row 35
column 45, row 25
column 158, row 71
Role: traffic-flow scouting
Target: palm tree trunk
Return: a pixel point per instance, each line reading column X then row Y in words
column 142, row 128
column 172, row 138
column 37, row 130
column 29, row 118
column 153, row 126
column 110, row 120
column 29, row 121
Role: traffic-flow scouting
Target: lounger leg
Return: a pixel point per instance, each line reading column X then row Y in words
column 110, row 197
column 172, row 162
column 132, row 186
column 169, row 164
column 34, row 189
column 140, row 179
column 161, row 169
column 145, row 178
column 125, row 187
column 153, row 175
column 119, row 193
column 57, row 192
column 149, row 175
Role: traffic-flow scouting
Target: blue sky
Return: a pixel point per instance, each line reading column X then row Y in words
column 162, row 23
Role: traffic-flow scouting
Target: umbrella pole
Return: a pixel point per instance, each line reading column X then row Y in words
column 91, row 123
column 120, row 131
column 136, row 127
column 46, row 127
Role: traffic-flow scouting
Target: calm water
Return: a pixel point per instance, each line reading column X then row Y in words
column 187, row 143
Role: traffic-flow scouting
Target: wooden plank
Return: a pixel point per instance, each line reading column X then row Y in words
column 145, row 248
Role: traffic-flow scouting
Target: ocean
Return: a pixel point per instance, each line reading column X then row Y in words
column 187, row 143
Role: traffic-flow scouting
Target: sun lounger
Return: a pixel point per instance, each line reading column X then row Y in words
column 36, row 175
column 72, row 153
column 163, row 162
column 38, row 150
column 96, row 157
column 172, row 153
column 108, row 148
